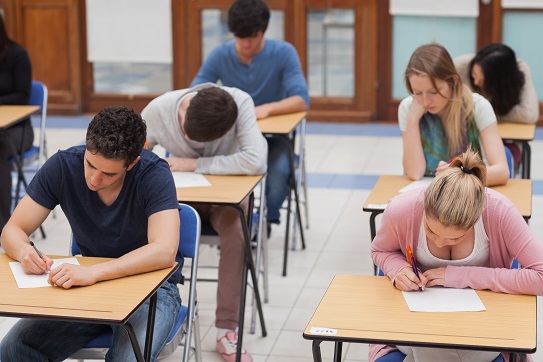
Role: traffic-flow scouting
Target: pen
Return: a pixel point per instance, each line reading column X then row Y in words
column 411, row 260
column 37, row 251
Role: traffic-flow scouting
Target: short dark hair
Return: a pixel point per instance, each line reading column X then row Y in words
column 503, row 78
column 212, row 112
column 117, row 133
column 248, row 17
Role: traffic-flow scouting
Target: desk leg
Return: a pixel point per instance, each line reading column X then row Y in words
column 150, row 326
column 316, row 347
column 134, row 340
column 149, row 334
column 251, row 266
column 338, row 351
column 526, row 159
column 373, row 232
column 292, row 186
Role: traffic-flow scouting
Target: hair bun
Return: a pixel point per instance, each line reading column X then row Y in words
column 465, row 170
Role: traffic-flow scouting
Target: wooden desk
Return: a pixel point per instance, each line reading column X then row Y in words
column 368, row 309
column 105, row 302
column 284, row 126
column 519, row 191
column 522, row 133
column 231, row 191
column 10, row 115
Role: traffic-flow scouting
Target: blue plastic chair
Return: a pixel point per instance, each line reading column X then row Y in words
column 510, row 162
column 187, row 323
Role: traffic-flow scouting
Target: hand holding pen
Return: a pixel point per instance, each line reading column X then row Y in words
column 35, row 262
column 442, row 165
column 412, row 262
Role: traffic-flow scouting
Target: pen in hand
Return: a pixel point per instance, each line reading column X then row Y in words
column 411, row 260
column 37, row 251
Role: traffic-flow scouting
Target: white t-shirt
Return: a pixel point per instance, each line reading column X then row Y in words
column 482, row 110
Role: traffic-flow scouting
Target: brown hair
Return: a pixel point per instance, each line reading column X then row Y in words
column 434, row 61
column 456, row 196
column 211, row 113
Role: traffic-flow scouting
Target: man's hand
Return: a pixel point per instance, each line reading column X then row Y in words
column 182, row 164
column 263, row 111
column 33, row 264
column 69, row 275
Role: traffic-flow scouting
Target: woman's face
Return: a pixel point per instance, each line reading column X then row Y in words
column 443, row 236
column 432, row 99
column 478, row 75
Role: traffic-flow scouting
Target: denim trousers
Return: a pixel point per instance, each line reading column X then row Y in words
column 32, row 340
column 277, row 182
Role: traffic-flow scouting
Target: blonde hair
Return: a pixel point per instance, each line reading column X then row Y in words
column 434, row 61
column 456, row 196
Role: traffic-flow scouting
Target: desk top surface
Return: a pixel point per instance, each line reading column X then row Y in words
column 519, row 191
column 111, row 301
column 368, row 309
column 223, row 190
column 516, row 131
column 283, row 124
column 10, row 115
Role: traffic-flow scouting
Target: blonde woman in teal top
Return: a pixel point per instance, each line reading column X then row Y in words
column 442, row 117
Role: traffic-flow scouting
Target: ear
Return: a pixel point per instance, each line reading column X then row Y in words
column 133, row 163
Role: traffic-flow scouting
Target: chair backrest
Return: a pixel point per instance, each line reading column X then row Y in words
column 510, row 161
column 38, row 97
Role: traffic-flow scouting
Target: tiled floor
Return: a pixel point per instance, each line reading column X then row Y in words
column 343, row 162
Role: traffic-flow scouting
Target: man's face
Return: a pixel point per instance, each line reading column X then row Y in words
column 250, row 46
column 102, row 173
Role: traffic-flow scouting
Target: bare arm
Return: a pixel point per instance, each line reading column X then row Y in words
column 159, row 253
column 497, row 171
column 26, row 218
column 182, row 164
column 414, row 163
column 287, row 105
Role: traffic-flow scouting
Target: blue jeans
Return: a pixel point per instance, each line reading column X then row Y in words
column 277, row 182
column 43, row 340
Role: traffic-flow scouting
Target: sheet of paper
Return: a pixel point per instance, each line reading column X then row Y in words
column 36, row 281
column 444, row 300
column 189, row 179
column 423, row 182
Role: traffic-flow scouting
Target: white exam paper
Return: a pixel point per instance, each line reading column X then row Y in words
column 36, row 281
column 423, row 182
column 438, row 299
column 189, row 179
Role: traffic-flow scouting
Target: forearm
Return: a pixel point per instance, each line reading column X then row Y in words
column 497, row 175
column 413, row 161
column 14, row 241
column 142, row 260
column 287, row 105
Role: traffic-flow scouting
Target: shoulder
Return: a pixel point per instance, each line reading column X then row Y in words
column 524, row 67
column 481, row 103
column 462, row 61
column 406, row 102
column 238, row 95
column 407, row 203
column 280, row 48
column 496, row 205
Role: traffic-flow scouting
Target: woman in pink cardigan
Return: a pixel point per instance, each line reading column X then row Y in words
column 463, row 236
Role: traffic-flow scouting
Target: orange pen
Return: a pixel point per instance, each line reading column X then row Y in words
column 411, row 260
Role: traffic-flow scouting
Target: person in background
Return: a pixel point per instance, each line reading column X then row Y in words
column 506, row 82
column 497, row 74
column 463, row 235
column 442, row 118
column 15, row 85
column 270, row 71
column 121, row 203
column 212, row 130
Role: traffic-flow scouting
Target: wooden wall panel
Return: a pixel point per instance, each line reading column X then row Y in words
column 49, row 30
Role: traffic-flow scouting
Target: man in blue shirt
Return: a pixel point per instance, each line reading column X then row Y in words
column 270, row 71
column 121, row 203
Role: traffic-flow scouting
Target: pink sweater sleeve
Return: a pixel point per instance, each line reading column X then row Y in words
column 510, row 238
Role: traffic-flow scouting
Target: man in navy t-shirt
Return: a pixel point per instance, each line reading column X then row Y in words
column 120, row 201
